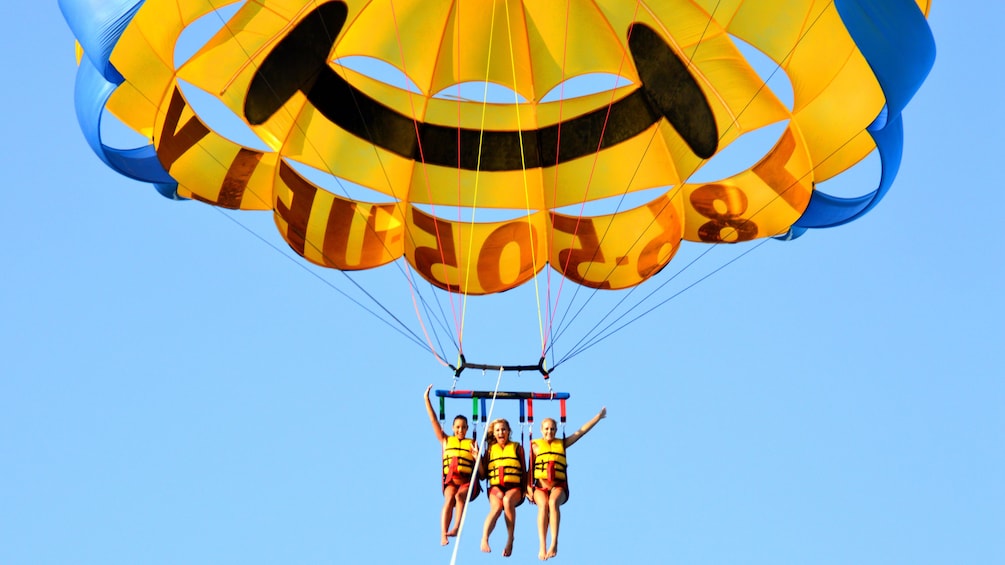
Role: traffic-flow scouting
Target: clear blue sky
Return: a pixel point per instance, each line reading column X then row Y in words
column 172, row 390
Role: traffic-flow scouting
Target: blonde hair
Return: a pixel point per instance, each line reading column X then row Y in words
column 490, row 435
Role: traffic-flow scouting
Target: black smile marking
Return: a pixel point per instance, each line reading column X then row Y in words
column 299, row 62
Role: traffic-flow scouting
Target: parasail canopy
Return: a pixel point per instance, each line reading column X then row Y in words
column 479, row 195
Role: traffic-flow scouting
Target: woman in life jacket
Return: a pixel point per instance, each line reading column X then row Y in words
column 549, row 487
column 459, row 455
column 503, row 466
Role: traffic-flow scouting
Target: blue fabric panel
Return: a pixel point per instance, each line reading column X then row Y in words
column 895, row 39
column 98, row 24
column 91, row 92
column 826, row 211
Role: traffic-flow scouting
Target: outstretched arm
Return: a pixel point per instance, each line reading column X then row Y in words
column 586, row 427
column 432, row 416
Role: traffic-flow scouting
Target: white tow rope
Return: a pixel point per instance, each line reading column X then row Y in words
column 474, row 471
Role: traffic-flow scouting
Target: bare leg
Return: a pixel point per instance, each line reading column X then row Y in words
column 495, row 509
column 509, row 508
column 556, row 500
column 541, row 500
column 460, row 499
column 448, row 510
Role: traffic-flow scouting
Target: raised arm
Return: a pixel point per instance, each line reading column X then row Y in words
column 432, row 416
column 586, row 427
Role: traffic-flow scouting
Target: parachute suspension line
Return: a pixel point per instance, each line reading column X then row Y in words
column 403, row 328
column 406, row 271
column 422, row 325
column 565, row 324
column 425, row 171
column 526, row 187
column 460, row 340
column 474, row 471
column 600, row 338
column 550, row 335
column 590, row 341
column 589, row 182
column 478, row 169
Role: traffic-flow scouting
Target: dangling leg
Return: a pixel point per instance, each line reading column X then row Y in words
column 460, row 499
column 541, row 500
column 495, row 508
column 448, row 509
column 555, row 500
column 510, row 500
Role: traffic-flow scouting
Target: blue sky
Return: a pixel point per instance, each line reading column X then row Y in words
column 174, row 390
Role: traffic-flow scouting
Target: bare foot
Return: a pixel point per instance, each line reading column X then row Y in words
column 452, row 533
column 553, row 551
column 443, row 540
column 542, row 555
column 508, row 550
column 485, row 546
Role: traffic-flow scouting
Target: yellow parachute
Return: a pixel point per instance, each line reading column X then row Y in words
column 480, row 195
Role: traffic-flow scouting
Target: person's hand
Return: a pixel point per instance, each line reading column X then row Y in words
column 603, row 413
column 426, row 394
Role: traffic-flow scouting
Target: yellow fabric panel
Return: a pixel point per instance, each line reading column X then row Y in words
column 637, row 164
column 835, row 93
column 551, row 113
column 145, row 56
column 476, row 115
column 133, row 109
column 252, row 32
column 486, row 41
column 375, row 32
column 514, row 190
column 332, row 231
column 478, row 258
column 209, row 166
column 617, row 250
column 734, row 91
column 148, row 73
column 774, row 28
column 315, row 141
column 570, row 39
column 763, row 201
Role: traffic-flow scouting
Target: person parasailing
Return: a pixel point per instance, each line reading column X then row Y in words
column 459, row 455
column 549, row 488
column 507, row 478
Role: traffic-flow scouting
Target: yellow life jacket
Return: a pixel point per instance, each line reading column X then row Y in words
column 504, row 465
column 457, row 459
column 549, row 460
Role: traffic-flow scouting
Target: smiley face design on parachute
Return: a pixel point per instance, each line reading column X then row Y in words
column 299, row 62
